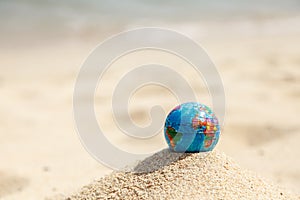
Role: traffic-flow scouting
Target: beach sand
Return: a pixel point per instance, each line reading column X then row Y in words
column 41, row 154
column 190, row 176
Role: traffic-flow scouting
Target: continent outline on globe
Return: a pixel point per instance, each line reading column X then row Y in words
column 192, row 127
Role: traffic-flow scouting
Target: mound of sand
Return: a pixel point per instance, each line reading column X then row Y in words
column 166, row 175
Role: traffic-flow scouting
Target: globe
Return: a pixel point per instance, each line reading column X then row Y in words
column 191, row 127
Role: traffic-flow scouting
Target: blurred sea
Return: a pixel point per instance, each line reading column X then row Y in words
column 46, row 19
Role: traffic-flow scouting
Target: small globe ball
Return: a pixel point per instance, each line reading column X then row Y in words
column 192, row 127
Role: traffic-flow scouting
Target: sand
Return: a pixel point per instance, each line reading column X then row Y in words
column 192, row 176
column 258, row 60
column 37, row 129
column 11, row 183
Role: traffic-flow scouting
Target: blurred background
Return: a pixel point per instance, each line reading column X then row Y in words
column 254, row 45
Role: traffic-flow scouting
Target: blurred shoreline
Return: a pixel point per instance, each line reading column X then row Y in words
column 33, row 22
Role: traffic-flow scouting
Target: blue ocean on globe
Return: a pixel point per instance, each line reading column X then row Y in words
column 192, row 127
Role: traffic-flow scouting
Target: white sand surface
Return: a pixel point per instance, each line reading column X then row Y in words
column 40, row 151
column 192, row 176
